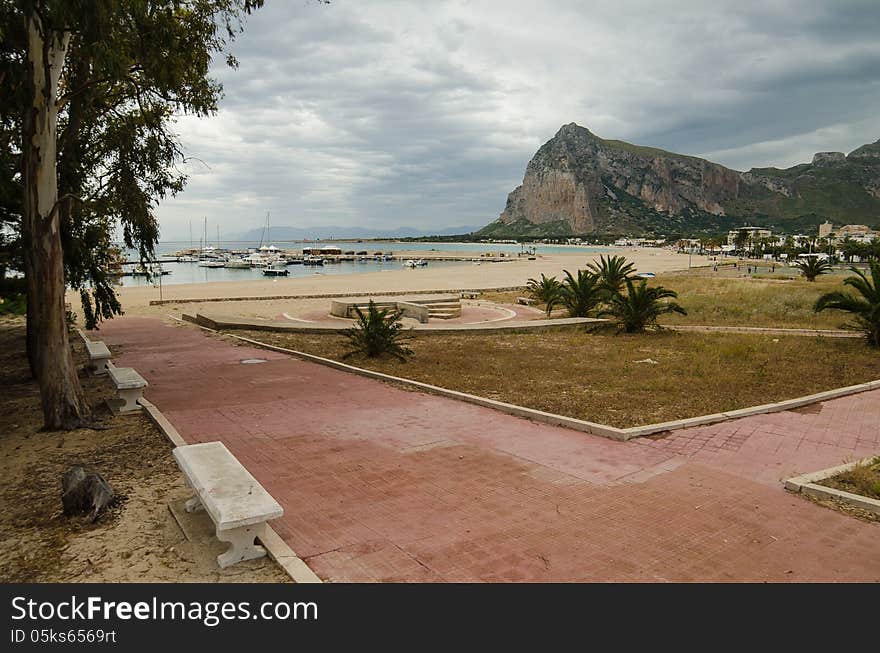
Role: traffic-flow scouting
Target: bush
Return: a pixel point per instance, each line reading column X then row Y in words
column 865, row 310
column 641, row 306
column 583, row 294
column 15, row 304
column 379, row 331
column 546, row 290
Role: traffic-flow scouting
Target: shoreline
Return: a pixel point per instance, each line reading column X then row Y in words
column 515, row 273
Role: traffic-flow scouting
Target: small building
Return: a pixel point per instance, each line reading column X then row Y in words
column 752, row 234
column 326, row 250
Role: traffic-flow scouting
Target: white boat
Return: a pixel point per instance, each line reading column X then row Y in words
column 421, row 263
column 188, row 259
column 212, row 264
column 313, row 260
column 278, row 269
column 409, row 263
column 237, row 264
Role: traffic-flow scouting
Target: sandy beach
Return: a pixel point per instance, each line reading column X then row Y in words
column 136, row 300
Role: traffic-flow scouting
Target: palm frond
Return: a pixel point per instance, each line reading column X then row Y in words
column 378, row 331
column 865, row 310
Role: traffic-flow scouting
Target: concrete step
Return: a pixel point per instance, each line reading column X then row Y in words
column 443, row 306
column 443, row 315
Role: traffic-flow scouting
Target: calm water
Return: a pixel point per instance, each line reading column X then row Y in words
column 193, row 273
column 392, row 246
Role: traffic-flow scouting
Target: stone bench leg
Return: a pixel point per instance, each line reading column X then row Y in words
column 126, row 402
column 99, row 366
column 193, row 504
column 242, row 546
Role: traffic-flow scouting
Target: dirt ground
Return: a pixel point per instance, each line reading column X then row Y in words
column 138, row 539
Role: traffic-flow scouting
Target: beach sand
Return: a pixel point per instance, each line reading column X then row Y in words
column 136, row 300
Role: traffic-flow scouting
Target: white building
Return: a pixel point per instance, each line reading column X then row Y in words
column 753, row 234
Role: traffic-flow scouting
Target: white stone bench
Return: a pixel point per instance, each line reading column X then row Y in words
column 130, row 387
column 235, row 501
column 525, row 301
column 99, row 354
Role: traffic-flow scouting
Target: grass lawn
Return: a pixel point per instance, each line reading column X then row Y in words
column 597, row 377
column 738, row 301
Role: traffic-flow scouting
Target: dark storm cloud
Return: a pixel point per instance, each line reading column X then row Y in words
column 425, row 114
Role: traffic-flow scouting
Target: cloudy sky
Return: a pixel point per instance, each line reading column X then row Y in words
column 425, row 113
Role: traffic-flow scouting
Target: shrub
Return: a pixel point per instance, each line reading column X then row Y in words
column 583, row 294
column 641, row 306
column 379, row 331
column 812, row 267
column 864, row 309
column 546, row 290
column 612, row 271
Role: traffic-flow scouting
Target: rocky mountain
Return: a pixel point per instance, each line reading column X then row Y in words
column 580, row 184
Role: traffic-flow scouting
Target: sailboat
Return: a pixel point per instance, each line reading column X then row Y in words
column 189, row 258
column 207, row 258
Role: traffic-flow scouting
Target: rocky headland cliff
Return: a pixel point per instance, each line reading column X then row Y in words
column 580, row 184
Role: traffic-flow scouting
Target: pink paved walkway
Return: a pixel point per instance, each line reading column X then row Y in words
column 381, row 484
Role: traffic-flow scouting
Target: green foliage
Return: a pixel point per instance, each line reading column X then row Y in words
column 525, row 229
column 812, row 267
column 613, row 271
column 641, row 306
column 546, row 290
column 864, row 307
column 131, row 67
column 583, row 294
column 379, row 331
column 13, row 304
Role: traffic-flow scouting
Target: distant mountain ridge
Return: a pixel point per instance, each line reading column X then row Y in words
column 579, row 184
column 336, row 232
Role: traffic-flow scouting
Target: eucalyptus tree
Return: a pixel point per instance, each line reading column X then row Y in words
column 94, row 86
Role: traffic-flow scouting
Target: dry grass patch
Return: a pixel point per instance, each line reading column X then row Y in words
column 752, row 302
column 863, row 480
column 757, row 301
column 599, row 377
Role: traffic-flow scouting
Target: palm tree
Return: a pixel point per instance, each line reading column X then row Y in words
column 582, row 295
column 612, row 271
column 545, row 291
column 379, row 331
column 812, row 267
column 865, row 309
column 641, row 306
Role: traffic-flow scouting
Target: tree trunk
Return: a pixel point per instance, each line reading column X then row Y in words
column 63, row 404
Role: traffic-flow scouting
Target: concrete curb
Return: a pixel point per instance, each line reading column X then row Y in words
column 225, row 323
column 257, row 298
column 770, row 331
column 275, row 546
column 603, row 430
column 808, row 484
